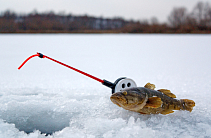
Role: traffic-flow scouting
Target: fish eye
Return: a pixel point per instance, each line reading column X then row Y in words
column 125, row 93
column 123, row 85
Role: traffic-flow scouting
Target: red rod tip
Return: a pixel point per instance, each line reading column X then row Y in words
column 27, row 60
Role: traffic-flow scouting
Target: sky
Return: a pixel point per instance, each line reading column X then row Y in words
column 128, row 9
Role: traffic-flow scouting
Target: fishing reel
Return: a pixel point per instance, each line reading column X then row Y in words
column 120, row 84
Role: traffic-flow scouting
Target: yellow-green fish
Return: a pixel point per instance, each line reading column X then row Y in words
column 146, row 100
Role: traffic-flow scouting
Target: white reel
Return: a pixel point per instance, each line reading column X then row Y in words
column 123, row 83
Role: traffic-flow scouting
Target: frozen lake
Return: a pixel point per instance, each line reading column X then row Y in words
column 45, row 97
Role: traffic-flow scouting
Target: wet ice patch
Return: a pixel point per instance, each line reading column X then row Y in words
column 35, row 112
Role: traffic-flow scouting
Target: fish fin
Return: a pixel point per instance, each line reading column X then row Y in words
column 154, row 102
column 150, row 86
column 142, row 113
column 167, row 92
column 165, row 112
column 118, row 105
column 188, row 104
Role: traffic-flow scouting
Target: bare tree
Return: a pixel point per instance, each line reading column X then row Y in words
column 207, row 14
column 208, row 17
column 201, row 13
column 154, row 21
column 8, row 14
column 178, row 17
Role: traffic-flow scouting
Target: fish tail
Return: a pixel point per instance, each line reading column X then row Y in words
column 187, row 104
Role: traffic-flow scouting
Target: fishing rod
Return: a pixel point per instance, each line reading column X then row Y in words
column 118, row 85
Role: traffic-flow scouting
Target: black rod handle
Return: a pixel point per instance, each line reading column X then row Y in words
column 108, row 84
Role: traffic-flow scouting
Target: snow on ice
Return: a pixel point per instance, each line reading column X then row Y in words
column 46, row 98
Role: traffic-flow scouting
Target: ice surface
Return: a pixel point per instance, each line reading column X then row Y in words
column 47, row 98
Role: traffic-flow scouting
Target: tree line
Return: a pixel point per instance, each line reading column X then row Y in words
column 179, row 21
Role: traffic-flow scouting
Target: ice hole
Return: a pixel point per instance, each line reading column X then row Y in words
column 45, row 122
